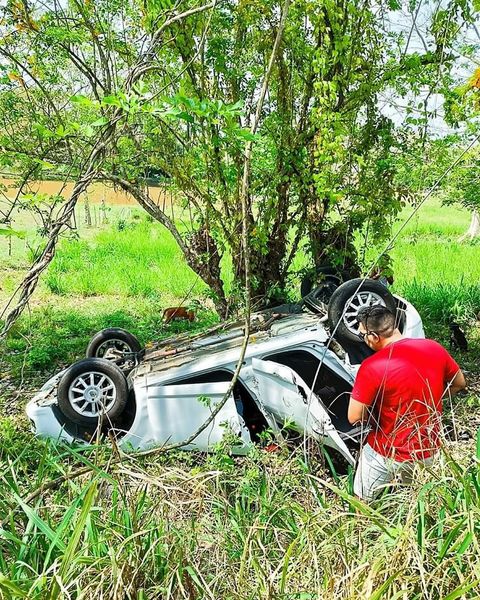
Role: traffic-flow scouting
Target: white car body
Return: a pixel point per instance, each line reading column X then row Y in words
column 174, row 394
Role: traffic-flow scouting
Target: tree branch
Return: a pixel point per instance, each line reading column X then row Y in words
column 91, row 172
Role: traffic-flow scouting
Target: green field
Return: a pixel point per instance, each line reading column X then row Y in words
column 125, row 272
column 268, row 526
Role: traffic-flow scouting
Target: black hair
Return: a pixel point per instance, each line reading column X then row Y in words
column 378, row 319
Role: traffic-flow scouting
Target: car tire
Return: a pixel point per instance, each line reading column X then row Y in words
column 120, row 341
column 92, row 388
column 323, row 274
column 317, row 300
column 355, row 294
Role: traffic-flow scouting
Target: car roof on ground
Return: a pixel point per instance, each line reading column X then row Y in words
column 172, row 356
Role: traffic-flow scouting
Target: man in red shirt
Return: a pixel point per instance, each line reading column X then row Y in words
column 399, row 391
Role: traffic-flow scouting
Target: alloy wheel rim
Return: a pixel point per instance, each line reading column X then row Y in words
column 359, row 301
column 92, row 394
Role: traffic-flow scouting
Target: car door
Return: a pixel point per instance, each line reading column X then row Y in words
column 284, row 394
column 168, row 414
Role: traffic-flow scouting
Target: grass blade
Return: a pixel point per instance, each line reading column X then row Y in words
column 10, row 588
column 384, row 587
column 74, row 540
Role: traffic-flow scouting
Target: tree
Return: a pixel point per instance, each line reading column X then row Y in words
column 142, row 90
column 464, row 182
column 463, row 188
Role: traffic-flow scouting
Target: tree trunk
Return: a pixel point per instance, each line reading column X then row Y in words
column 199, row 248
column 203, row 256
column 474, row 229
column 88, row 216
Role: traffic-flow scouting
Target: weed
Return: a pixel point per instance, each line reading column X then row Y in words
column 261, row 527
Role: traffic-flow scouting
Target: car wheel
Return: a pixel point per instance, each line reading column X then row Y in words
column 91, row 388
column 317, row 300
column 349, row 298
column 116, row 345
column 323, row 274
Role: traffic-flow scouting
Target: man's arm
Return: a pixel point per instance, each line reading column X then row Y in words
column 458, row 383
column 357, row 412
column 363, row 395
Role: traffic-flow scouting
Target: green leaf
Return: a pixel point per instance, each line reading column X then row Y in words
column 46, row 165
column 9, row 232
column 238, row 106
column 246, row 135
column 185, row 116
column 88, row 131
column 80, row 99
column 111, row 100
column 100, row 122
column 42, row 130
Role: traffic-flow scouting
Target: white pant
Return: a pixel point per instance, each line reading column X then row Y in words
column 375, row 471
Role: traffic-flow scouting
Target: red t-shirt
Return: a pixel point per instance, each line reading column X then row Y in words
column 404, row 384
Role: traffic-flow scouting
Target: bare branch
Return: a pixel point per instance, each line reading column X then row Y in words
column 149, row 205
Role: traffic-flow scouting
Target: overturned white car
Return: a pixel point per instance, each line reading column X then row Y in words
column 295, row 376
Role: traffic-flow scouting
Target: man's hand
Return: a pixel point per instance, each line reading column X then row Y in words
column 357, row 412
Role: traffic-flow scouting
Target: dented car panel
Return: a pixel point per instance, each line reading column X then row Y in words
column 169, row 414
column 286, row 395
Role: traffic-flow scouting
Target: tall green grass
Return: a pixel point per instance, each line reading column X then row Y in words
column 139, row 259
column 50, row 338
column 440, row 303
column 434, row 270
column 440, row 277
column 260, row 527
column 437, row 261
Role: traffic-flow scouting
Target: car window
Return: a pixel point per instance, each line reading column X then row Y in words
column 208, row 377
column 246, row 406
